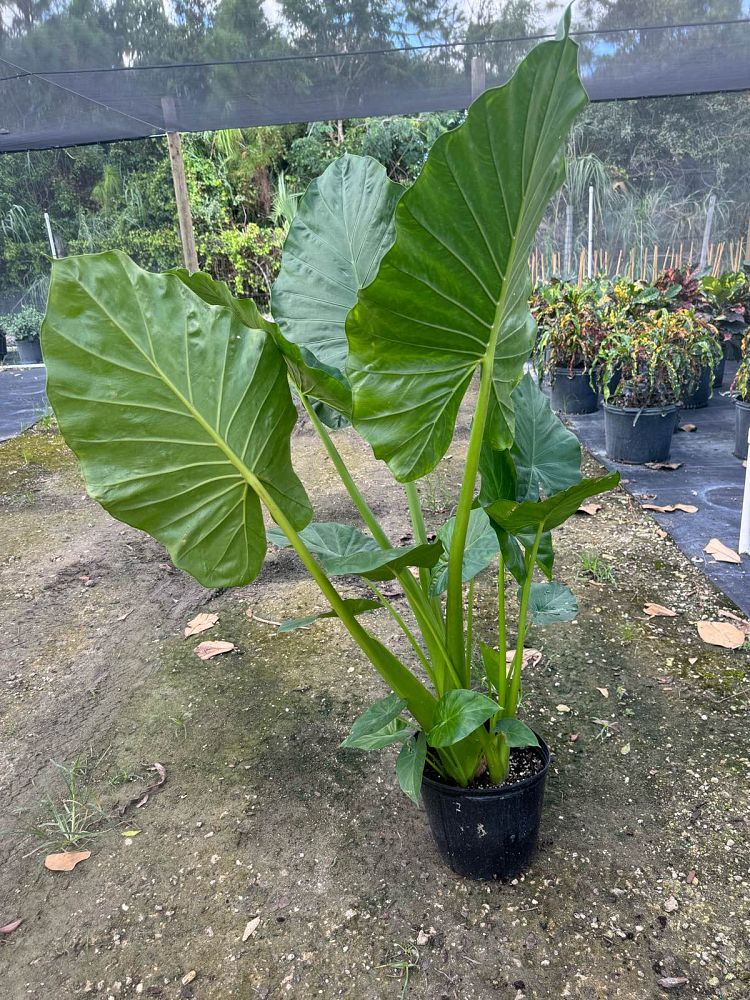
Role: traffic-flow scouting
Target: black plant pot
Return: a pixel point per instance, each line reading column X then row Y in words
column 741, row 427
column 487, row 833
column 639, row 436
column 572, row 393
column 701, row 394
column 719, row 372
column 29, row 351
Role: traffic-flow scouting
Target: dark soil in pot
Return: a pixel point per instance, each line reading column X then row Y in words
column 29, row 352
column 638, row 436
column 701, row 394
column 489, row 832
column 741, row 427
column 572, row 393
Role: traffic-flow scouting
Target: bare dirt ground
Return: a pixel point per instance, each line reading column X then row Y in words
column 642, row 873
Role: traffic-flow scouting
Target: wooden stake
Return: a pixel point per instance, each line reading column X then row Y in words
column 707, row 231
column 185, row 219
column 619, row 262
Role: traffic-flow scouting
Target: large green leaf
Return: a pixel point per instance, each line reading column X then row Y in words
column 552, row 602
column 458, row 714
column 343, row 227
column 481, row 548
column 513, row 546
column 545, row 453
column 345, row 551
column 518, row 518
column 178, row 414
column 452, row 292
column 517, row 733
column 311, row 376
column 355, row 605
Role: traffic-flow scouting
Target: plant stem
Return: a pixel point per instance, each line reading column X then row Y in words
column 469, row 633
column 351, row 487
column 403, row 626
column 515, row 684
column 501, row 640
column 419, row 528
column 454, row 612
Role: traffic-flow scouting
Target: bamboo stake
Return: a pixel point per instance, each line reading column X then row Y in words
column 631, row 268
column 689, row 261
column 184, row 217
column 619, row 262
column 581, row 267
column 655, row 263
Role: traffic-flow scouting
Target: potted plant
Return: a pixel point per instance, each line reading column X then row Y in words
column 741, row 391
column 24, row 326
column 640, row 414
column 571, row 329
column 728, row 300
column 700, row 344
column 387, row 305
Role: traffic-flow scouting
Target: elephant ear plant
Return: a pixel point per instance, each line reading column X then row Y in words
column 176, row 398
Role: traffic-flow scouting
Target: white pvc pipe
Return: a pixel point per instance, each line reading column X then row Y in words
column 590, row 268
column 744, row 546
column 50, row 237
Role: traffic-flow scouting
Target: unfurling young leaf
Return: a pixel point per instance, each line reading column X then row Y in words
column 458, row 714
column 517, row 733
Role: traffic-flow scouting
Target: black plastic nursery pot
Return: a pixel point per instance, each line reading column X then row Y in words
column 29, row 352
column 701, row 394
column 719, row 372
column 572, row 392
column 741, row 427
column 487, row 833
column 637, row 436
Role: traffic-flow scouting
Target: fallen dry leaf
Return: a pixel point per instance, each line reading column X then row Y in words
column 625, row 749
column 658, row 611
column 130, row 833
column 530, row 657
column 589, row 508
column 201, row 623
column 661, row 533
column 604, row 692
column 251, row 928
column 688, row 428
column 188, row 977
column 65, row 861
column 12, row 926
column 692, row 660
column 721, row 634
column 666, row 466
column 563, row 708
column 721, row 552
column 672, row 982
column 742, row 623
column 211, row 648
column 687, row 508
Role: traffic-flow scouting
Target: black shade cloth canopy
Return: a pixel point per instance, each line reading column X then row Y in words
column 82, row 71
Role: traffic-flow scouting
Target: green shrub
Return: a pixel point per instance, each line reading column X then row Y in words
column 247, row 259
column 23, row 325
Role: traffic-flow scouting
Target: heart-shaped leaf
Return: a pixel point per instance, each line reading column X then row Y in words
column 517, row 733
column 551, row 602
column 343, row 550
column 342, row 228
column 375, row 719
column 356, row 605
column 458, row 714
column 179, row 414
column 452, row 292
column 481, row 548
column 552, row 512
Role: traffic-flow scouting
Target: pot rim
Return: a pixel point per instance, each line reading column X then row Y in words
column 495, row 791
column 645, row 410
column 570, row 372
column 743, row 403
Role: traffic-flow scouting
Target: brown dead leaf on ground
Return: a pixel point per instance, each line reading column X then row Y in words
column 721, row 634
column 672, row 982
column 251, row 928
column 664, row 466
column 721, row 552
column 589, row 508
column 201, row 623
column 687, row 428
column 12, row 926
column 604, row 692
column 65, row 861
column 658, row 611
column 215, row 647
column 687, row 508
column 530, row 657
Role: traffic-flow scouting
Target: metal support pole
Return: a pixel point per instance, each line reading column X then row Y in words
column 50, row 237
column 590, row 267
column 568, row 240
column 185, row 219
column 744, row 546
column 707, row 233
